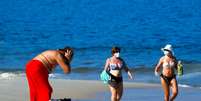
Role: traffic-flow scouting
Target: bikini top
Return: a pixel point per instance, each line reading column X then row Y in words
column 115, row 66
column 169, row 64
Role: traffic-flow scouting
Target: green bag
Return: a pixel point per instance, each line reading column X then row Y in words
column 104, row 77
column 179, row 68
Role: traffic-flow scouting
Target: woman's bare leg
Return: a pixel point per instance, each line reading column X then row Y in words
column 165, row 89
column 113, row 93
column 119, row 91
column 174, row 89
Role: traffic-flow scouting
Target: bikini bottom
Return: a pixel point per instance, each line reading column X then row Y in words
column 168, row 79
column 115, row 81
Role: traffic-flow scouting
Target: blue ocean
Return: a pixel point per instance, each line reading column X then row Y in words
column 140, row 27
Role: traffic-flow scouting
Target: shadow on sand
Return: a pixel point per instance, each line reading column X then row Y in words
column 65, row 99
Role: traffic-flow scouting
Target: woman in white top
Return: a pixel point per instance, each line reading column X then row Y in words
column 168, row 78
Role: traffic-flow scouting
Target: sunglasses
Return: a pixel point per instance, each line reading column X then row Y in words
column 166, row 50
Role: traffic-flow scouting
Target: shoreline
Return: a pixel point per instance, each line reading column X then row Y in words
column 91, row 90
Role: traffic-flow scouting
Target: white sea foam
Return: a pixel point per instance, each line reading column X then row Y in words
column 184, row 85
column 52, row 75
column 7, row 75
column 11, row 75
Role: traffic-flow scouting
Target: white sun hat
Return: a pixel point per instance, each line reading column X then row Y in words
column 167, row 47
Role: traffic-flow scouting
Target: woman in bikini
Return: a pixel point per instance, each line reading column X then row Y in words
column 114, row 66
column 39, row 67
column 168, row 78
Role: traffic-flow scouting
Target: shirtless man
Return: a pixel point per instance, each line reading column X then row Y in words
column 39, row 67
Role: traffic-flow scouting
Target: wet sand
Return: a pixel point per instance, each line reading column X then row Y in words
column 16, row 89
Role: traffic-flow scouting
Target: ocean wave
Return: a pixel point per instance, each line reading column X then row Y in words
column 11, row 75
column 86, row 69
column 52, row 75
column 186, row 81
column 191, row 75
column 192, row 67
column 184, row 85
column 189, row 69
column 189, row 86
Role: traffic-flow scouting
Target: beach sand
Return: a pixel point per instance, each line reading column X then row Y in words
column 16, row 89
